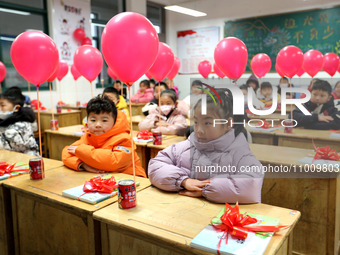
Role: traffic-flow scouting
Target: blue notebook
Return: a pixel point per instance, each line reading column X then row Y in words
column 90, row 197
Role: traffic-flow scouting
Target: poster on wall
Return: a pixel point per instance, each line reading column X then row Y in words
column 68, row 15
column 196, row 45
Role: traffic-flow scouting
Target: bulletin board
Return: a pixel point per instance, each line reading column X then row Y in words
column 314, row 29
column 196, row 45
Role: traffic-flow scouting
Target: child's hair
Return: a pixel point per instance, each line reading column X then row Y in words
column 170, row 93
column 197, row 83
column 253, row 81
column 336, row 84
column 225, row 111
column 146, row 82
column 118, row 81
column 244, row 86
column 152, row 81
column 162, row 83
column 265, row 85
column 111, row 90
column 322, row 85
column 14, row 95
column 101, row 104
column 284, row 78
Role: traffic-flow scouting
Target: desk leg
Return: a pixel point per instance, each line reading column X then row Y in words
column 6, row 227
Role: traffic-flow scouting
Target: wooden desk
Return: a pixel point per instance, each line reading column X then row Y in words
column 6, row 226
column 45, row 222
column 259, row 137
column 137, row 109
column 82, row 110
column 135, row 121
column 167, row 141
column 270, row 117
column 165, row 223
column 302, row 138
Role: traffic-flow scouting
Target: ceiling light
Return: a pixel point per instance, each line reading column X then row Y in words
column 184, row 10
column 98, row 24
column 14, row 11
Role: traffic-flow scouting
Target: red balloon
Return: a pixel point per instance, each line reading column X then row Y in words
column 35, row 56
column 301, row 71
column 204, row 68
column 339, row 68
column 164, row 62
column 55, row 74
column 111, row 73
column 133, row 53
column 261, row 64
column 79, row 34
column 148, row 75
column 175, row 69
column 88, row 61
column 2, row 71
column 75, row 73
column 331, row 63
column 278, row 70
column 312, row 62
column 86, row 41
column 231, row 56
column 218, row 71
column 289, row 60
column 63, row 70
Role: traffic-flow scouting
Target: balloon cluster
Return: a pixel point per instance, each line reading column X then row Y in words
column 2, row 71
column 80, row 36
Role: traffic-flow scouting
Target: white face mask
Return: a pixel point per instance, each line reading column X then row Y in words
column 166, row 109
column 6, row 115
column 283, row 85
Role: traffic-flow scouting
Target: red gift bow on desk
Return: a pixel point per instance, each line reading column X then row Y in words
column 235, row 224
column 325, row 153
column 144, row 134
column 6, row 168
column 98, row 184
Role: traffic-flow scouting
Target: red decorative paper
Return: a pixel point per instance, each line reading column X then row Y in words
column 144, row 135
column 98, row 184
column 184, row 33
column 325, row 153
column 6, row 168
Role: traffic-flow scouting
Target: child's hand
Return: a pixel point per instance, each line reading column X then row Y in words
column 91, row 169
column 325, row 118
column 72, row 149
column 194, row 185
column 162, row 124
column 190, row 193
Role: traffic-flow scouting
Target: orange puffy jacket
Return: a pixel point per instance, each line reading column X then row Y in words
column 109, row 152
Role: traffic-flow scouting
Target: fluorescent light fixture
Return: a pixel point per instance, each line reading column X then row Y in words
column 184, row 10
column 5, row 38
column 14, row 11
column 98, row 24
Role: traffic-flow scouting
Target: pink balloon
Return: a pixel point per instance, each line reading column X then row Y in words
column 75, row 73
column 148, row 75
column 301, row 71
column 175, row 68
column 135, row 51
column 79, row 34
column 278, row 70
column 218, row 71
column 89, row 61
column 261, row 64
column 55, row 74
column 289, row 60
column 2, row 71
column 164, row 62
column 111, row 73
column 231, row 56
column 86, row 41
column 339, row 68
column 204, row 68
column 35, row 56
column 63, row 70
column 331, row 63
column 312, row 62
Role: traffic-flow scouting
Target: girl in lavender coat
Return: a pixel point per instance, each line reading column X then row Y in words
column 214, row 162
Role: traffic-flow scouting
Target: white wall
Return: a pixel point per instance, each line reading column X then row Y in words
column 220, row 11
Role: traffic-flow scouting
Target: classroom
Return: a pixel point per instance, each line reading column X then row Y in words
column 169, row 127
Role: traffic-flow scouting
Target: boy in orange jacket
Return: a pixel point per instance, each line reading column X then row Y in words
column 106, row 145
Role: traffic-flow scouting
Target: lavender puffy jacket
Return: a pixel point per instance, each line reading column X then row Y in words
column 173, row 165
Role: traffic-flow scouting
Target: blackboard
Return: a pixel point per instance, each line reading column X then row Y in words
column 315, row 29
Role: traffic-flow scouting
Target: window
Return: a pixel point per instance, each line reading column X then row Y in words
column 17, row 16
column 156, row 14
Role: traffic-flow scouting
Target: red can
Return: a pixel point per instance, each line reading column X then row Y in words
column 58, row 108
column 36, row 169
column 157, row 137
column 126, row 194
column 54, row 125
column 289, row 127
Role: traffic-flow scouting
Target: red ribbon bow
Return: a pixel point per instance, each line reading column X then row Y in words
column 325, row 153
column 6, row 168
column 144, row 135
column 98, row 184
column 266, row 124
column 235, row 224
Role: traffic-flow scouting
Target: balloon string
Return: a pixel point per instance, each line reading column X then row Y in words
column 159, row 106
column 39, row 128
column 52, row 108
column 91, row 90
column 29, row 86
column 0, row 87
column 60, row 91
column 291, row 106
column 76, row 91
column 132, row 143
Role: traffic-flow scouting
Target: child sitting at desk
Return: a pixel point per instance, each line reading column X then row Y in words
column 106, row 145
column 120, row 87
column 119, row 100
column 336, row 95
column 321, row 105
column 173, row 122
column 16, row 132
column 144, row 94
column 191, row 167
column 266, row 94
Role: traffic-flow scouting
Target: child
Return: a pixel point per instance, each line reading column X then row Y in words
column 152, row 83
column 196, row 93
column 16, row 132
column 303, row 95
column 321, row 106
column 119, row 101
column 184, row 166
column 336, row 95
column 121, row 90
column 284, row 83
column 106, row 145
column 266, row 94
column 173, row 122
column 170, row 84
column 154, row 102
column 253, row 82
column 144, row 94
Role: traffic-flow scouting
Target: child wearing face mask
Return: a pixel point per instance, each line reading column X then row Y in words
column 173, row 122
column 16, row 132
column 198, row 166
column 284, row 83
